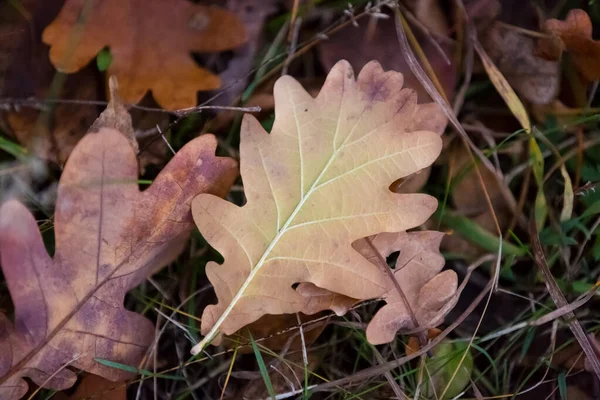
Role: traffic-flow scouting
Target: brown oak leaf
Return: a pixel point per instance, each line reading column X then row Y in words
column 150, row 41
column 418, row 274
column 68, row 309
column 534, row 78
column 299, row 222
column 575, row 34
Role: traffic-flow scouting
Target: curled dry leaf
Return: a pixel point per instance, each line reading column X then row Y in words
column 109, row 238
column 418, row 274
column 151, row 42
column 534, row 78
column 575, row 36
column 299, row 223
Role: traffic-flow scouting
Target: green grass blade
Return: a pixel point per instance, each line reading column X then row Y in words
column 12, row 148
column 474, row 233
column 262, row 367
column 129, row 368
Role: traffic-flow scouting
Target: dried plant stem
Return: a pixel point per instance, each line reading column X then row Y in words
column 560, row 300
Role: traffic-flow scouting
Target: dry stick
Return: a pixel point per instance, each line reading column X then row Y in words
column 469, row 145
column 41, row 104
column 560, row 301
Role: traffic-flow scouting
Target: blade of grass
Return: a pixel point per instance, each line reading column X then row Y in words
column 478, row 235
column 262, row 367
column 135, row 370
column 229, row 372
column 13, row 148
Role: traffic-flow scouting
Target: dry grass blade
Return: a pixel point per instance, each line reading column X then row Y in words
column 469, row 145
column 560, row 301
column 503, row 87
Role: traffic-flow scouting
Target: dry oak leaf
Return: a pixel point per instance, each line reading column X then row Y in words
column 575, row 33
column 109, row 238
column 150, row 41
column 534, row 78
column 315, row 184
column 429, row 292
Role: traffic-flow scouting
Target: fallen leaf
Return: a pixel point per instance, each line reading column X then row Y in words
column 575, row 34
column 534, row 78
column 150, row 41
column 297, row 225
column 94, row 387
column 418, row 274
column 109, row 238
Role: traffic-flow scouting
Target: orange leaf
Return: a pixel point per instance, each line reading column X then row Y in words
column 109, row 238
column 151, row 42
column 318, row 182
column 576, row 35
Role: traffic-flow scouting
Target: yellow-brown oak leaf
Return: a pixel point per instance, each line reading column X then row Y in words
column 314, row 185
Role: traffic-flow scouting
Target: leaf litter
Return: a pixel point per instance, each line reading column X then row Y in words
column 422, row 295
